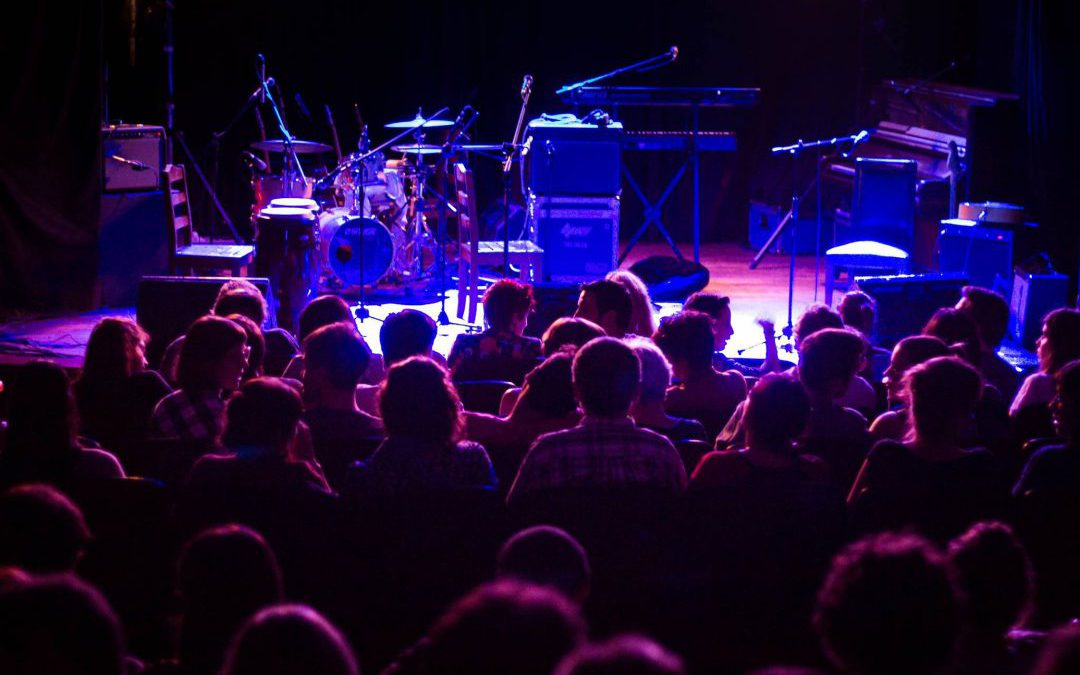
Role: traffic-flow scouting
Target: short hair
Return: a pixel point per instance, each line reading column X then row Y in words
column 406, row 333
column 1067, row 381
column 546, row 556
column 506, row 299
column 815, row 318
column 830, row 355
column 990, row 311
column 941, row 392
column 206, row 343
column 240, row 296
column 1061, row 330
column 611, row 296
column 549, row 387
column 505, row 626
column 687, row 336
column 607, row 375
column 322, row 311
column 41, row 530
column 569, row 332
column 289, row 639
column 918, row 349
column 622, row 655
column 712, row 304
column 263, row 413
column 642, row 317
column 111, row 349
column 1061, row 652
column 857, row 310
column 994, row 573
column 956, row 329
column 777, row 411
column 60, row 621
column 255, row 340
column 655, row 369
column 418, row 401
column 340, row 351
column 888, row 606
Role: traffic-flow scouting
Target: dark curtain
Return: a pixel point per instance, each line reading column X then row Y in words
column 49, row 154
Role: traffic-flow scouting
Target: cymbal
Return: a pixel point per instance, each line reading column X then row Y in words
column 418, row 121
column 298, row 146
column 414, row 149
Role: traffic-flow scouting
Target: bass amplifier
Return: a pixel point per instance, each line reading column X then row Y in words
column 579, row 235
column 573, row 158
column 983, row 254
column 133, row 157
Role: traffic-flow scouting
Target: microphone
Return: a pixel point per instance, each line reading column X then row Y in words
column 860, row 137
column 254, row 161
column 135, row 164
column 526, row 86
column 674, row 51
column 260, row 60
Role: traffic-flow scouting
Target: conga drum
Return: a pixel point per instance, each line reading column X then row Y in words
column 287, row 249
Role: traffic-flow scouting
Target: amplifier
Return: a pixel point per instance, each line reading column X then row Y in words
column 983, row 254
column 573, row 158
column 905, row 302
column 133, row 242
column 579, row 235
column 1033, row 297
column 133, row 157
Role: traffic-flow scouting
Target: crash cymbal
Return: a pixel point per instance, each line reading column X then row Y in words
column 298, row 146
column 418, row 121
column 414, row 149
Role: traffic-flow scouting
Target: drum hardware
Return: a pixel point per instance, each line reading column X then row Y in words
column 421, row 122
column 333, row 132
column 294, row 145
column 418, row 149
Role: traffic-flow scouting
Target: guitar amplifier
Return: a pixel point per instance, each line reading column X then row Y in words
column 572, row 158
column 133, row 157
column 579, row 235
column 983, row 254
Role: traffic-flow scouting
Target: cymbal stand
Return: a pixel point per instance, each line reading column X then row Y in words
column 290, row 159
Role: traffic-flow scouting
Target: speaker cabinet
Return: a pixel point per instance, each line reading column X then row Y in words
column 133, row 242
column 906, row 302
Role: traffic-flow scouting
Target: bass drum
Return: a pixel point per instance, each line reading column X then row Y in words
column 344, row 238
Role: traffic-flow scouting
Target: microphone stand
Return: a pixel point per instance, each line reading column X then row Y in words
column 511, row 151
column 215, row 163
column 648, row 64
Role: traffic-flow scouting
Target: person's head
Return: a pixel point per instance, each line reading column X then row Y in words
column 214, row 356
column 607, row 374
column 828, row 360
column 507, row 304
column 888, row 606
column 41, row 409
column 549, row 388
column 857, row 309
column 263, row 414
column 994, row 574
column 240, row 296
column 718, row 308
column 289, row 640
column 41, row 530
column 910, row 352
column 58, row 624
column 256, row 345
column 1065, row 406
column 224, row 575
column 622, row 655
column 990, row 311
column 942, row 394
column 642, row 316
column 406, row 333
column 958, row 330
column 655, row 371
column 335, row 358
column 418, row 401
column 322, row 311
column 607, row 304
column 569, row 333
column 505, row 626
column 687, row 341
column 1061, row 652
column 546, row 556
column 815, row 318
column 777, row 412
column 116, row 349
column 1060, row 339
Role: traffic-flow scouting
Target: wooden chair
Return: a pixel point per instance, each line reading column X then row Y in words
column 191, row 258
column 472, row 252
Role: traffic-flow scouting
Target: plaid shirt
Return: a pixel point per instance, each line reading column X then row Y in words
column 179, row 415
column 600, row 453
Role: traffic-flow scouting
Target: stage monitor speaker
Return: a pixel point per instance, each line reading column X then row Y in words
column 133, row 242
column 670, row 279
column 905, row 302
column 983, row 254
column 553, row 301
column 1033, row 297
column 167, row 306
column 133, row 157
column 579, row 235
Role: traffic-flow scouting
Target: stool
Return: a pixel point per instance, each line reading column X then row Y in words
column 862, row 258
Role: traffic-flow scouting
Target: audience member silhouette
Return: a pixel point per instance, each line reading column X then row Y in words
column 990, row 312
column 41, row 530
column 642, row 315
column 649, row 411
column 1059, row 344
column 608, row 305
column 403, row 334
column 502, row 352
column 621, row 655
column 289, row 640
column 908, row 353
column 860, row 394
column 859, row 313
column 256, row 343
column 718, row 308
column 1061, row 655
column 546, row 556
column 569, row 331
column 324, row 310
column 958, row 330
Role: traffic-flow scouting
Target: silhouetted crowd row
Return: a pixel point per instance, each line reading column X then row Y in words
column 616, row 496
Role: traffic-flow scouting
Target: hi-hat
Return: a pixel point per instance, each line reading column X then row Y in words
column 415, row 149
column 418, row 121
column 298, row 146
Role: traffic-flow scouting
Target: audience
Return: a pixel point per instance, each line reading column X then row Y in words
column 990, row 311
column 324, row 310
column 718, row 308
column 622, row 655
column 648, row 410
column 211, row 366
column 958, row 330
column 403, row 334
column 569, row 332
column 1062, row 653
column 607, row 304
column 908, row 353
column 40, row 444
column 41, row 530
column 1059, row 344
column 289, row 640
column 859, row 313
column 860, row 394
column 642, row 315
column 502, row 352
column 546, row 556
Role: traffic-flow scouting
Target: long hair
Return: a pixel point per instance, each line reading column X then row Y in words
column 642, row 317
column 418, row 401
column 112, row 353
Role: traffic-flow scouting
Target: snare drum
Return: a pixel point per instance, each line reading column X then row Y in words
column 355, row 248
column 287, row 245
